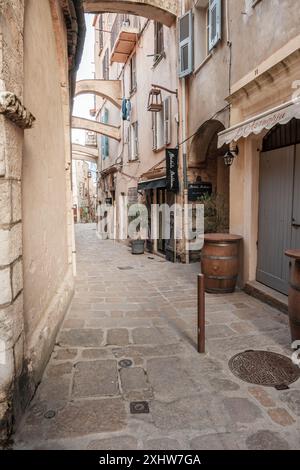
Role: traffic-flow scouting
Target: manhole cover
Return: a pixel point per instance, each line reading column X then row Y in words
column 138, row 407
column 125, row 268
column 124, row 363
column 264, row 368
column 50, row 414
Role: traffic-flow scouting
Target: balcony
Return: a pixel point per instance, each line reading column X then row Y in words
column 124, row 35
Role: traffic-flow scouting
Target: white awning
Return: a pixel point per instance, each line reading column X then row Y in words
column 279, row 115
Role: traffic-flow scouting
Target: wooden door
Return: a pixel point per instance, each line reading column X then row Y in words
column 277, row 188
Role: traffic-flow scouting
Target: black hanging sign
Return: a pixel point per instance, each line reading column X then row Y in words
column 172, row 170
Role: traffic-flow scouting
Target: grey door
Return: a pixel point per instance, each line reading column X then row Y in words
column 276, row 233
column 296, row 202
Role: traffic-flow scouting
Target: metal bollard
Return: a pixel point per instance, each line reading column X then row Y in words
column 201, row 314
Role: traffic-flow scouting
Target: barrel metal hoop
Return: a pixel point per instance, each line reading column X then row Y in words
column 294, row 321
column 222, row 278
column 293, row 286
column 219, row 257
column 219, row 244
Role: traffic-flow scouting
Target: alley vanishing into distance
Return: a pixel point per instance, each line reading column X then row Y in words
column 143, row 309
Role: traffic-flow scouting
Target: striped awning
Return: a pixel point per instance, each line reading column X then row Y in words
column 280, row 115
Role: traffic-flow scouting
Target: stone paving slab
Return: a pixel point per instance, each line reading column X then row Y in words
column 148, row 315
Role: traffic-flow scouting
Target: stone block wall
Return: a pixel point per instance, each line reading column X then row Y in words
column 11, row 272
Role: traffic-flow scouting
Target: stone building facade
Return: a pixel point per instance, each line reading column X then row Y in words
column 193, row 51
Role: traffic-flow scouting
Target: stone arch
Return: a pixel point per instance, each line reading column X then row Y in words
column 94, row 126
column 164, row 11
column 206, row 164
column 107, row 89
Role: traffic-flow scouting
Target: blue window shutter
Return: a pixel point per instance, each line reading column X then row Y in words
column 104, row 138
column 215, row 22
column 186, row 53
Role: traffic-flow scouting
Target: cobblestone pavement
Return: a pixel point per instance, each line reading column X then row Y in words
column 144, row 309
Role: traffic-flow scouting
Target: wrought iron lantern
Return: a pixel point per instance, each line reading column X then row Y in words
column 230, row 155
column 155, row 103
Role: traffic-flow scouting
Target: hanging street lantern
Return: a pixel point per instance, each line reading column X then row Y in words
column 155, row 104
column 230, row 155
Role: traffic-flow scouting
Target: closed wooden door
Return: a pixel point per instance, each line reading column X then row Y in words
column 276, row 205
column 296, row 202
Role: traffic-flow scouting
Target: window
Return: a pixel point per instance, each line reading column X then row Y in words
column 101, row 35
column 158, row 40
column 161, row 126
column 133, row 143
column 214, row 23
column 133, row 81
column 104, row 138
column 186, row 44
column 105, row 66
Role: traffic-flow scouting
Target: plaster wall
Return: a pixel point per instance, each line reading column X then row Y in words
column 48, row 281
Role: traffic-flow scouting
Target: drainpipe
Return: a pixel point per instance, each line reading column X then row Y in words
column 184, row 158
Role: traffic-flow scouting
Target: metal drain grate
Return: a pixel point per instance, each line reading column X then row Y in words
column 125, row 268
column 124, row 363
column 139, row 407
column 264, row 368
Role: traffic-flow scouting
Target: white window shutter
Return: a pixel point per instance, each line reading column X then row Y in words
column 136, row 140
column 154, row 131
column 129, row 144
column 167, row 120
column 215, row 22
column 186, row 44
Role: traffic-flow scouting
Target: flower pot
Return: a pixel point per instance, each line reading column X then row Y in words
column 137, row 247
column 220, row 262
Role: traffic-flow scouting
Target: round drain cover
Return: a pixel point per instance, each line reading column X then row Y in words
column 125, row 363
column 264, row 368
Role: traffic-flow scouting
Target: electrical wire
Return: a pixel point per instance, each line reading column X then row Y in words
column 197, row 131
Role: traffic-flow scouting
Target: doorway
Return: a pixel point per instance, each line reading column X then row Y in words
column 279, row 204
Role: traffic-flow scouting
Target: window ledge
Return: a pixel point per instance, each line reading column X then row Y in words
column 160, row 149
column 207, row 59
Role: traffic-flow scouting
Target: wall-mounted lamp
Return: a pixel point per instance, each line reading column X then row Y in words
column 230, row 155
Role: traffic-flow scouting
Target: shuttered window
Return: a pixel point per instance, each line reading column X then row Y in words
column 214, row 23
column 161, row 126
column 167, row 120
column 158, row 40
column 104, row 138
column 186, row 44
column 133, row 142
column 133, row 81
column 101, row 34
column 105, row 66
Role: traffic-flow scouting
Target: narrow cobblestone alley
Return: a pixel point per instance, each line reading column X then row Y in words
column 143, row 308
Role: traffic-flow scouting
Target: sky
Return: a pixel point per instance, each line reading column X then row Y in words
column 84, row 103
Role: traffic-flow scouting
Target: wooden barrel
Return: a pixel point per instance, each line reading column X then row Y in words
column 294, row 296
column 220, row 262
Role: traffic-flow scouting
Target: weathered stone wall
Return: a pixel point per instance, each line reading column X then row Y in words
column 11, row 272
column 36, row 237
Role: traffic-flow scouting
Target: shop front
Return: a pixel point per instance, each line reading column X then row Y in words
column 265, row 175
